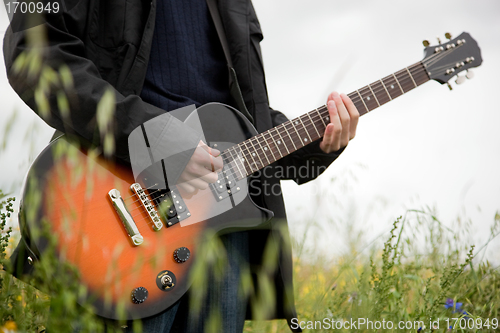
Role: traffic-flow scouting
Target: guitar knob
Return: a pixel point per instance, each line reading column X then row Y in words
column 139, row 295
column 460, row 79
column 182, row 254
column 470, row 74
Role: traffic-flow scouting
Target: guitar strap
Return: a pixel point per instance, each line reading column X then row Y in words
column 234, row 87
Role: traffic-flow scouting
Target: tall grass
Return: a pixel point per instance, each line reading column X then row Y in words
column 424, row 276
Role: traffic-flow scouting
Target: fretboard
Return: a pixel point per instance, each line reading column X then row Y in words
column 265, row 148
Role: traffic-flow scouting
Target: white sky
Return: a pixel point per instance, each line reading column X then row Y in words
column 431, row 147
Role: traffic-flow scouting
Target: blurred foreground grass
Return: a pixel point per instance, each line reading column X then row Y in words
column 423, row 270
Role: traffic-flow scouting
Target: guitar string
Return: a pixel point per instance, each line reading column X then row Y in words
column 151, row 195
column 314, row 116
column 307, row 125
column 134, row 194
column 147, row 188
column 143, row 219
column 438, row 56
column 356, row 99
column 377, row 91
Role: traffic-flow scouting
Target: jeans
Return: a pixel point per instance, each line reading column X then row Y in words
column 222, row 296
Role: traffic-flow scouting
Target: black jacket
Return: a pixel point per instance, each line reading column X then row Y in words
column 106, row 44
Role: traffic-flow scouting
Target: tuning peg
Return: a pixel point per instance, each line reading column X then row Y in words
column 460, row 79
column 439, row 40
column 470, row 74
column 426, row 43
column 449, row 86
column 447, row 35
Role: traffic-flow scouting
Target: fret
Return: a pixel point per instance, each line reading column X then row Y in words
column 314, row 125
column 383, row 85
column 368, row 98
column 405, row 81
column 255, row 153
column 379, row 90
column 295, row 134
column 239, row 156
column 269, row 144
column 263, row 150
column 320, row 117
column 235, row 160
column 251, row 156
column 246, row 157
column 282, row 141
column 296, row 131
column 391, row 86
column 376, row 99
column 361, row 98
column 305, row 129
column 275, row 144
column 395, row 78
column 291, row 139
column 355, row 98
column 234, row 170
column 411, row 77
column 419, row 73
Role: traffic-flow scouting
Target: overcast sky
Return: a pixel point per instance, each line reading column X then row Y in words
column 431, row 147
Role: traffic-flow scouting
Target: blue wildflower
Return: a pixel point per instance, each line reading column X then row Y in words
column 456, row 306
column 465, row 313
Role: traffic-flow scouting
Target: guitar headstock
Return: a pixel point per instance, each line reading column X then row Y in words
column 445, row 61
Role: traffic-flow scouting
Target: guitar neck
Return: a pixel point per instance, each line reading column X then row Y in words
column 267, row 147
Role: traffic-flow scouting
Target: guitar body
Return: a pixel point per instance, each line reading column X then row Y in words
column 75, row 203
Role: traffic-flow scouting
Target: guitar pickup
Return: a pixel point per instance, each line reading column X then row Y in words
column 148, row 206
column 175, row 209
column 224, row 186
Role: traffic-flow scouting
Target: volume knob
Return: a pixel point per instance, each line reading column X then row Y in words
column 139, row 295
column 182, row 254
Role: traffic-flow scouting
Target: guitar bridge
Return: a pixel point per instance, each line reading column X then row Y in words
column 125, row 217
column 148, row 206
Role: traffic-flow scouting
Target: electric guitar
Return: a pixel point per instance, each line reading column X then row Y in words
column 135, row 245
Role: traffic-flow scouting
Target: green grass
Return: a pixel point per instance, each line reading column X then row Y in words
column 422, row 271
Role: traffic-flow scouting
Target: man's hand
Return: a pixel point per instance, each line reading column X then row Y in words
column 201, row 169
column 343, row 122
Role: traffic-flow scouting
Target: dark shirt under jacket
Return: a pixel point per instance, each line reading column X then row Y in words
column 186, row 65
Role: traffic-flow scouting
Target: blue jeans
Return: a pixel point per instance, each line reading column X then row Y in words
column 223, row 297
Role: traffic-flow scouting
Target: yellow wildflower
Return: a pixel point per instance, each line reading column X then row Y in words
column 9, row 327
